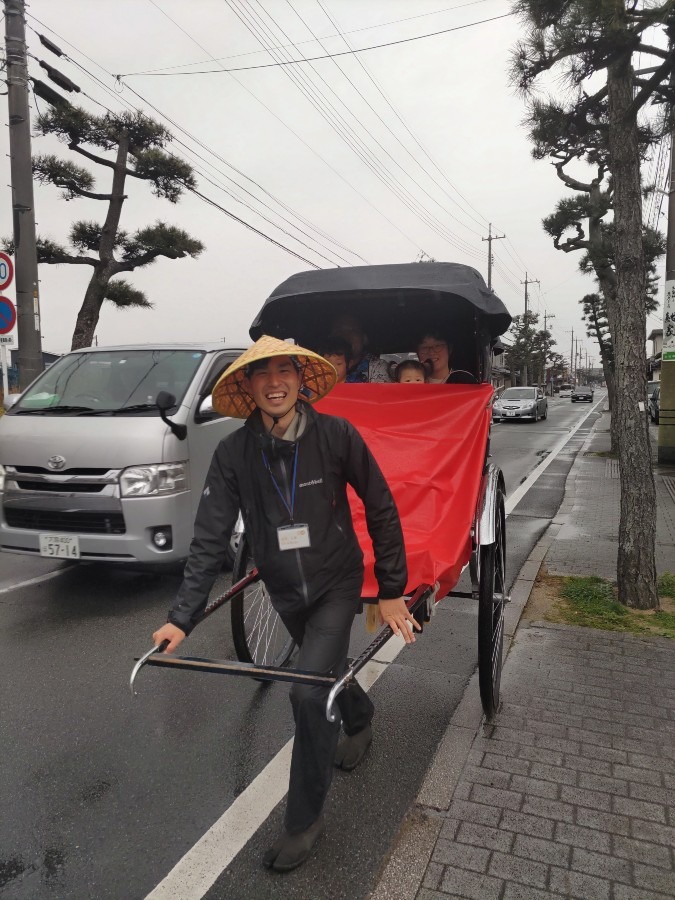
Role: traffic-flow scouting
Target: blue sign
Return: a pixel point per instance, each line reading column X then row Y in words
column 7, row 315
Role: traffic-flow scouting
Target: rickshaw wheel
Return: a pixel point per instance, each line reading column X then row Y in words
column 259, row 635
column 491, row 592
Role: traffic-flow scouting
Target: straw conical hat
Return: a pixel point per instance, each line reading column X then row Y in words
column 230, row 397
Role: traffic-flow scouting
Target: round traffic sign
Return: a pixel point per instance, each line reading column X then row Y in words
column 6, row 270
column 7, row 315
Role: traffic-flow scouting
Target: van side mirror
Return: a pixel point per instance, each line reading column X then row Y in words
column 164, row 401
column 206, row 406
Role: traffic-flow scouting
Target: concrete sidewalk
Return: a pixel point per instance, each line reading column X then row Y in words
column 571, row 792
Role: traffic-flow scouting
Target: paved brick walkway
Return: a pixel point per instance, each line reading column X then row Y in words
column 572, row 791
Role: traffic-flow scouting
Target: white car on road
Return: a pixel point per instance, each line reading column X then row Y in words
column 520, row 403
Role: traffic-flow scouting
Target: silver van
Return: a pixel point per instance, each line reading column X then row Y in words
column 105, row 455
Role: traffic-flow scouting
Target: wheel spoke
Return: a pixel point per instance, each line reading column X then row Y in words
column 258, row 630
column 497, row 649
column 262, row 634
column 265, row 610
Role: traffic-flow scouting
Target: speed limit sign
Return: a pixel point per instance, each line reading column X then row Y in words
column 6, row 270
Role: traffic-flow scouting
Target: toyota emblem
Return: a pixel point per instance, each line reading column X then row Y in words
column 56, row 462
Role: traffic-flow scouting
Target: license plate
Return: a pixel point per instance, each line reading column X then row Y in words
column 60, row 546
column 510, row 413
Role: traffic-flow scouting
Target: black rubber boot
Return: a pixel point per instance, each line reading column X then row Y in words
column 291, row 850
column 352, row 749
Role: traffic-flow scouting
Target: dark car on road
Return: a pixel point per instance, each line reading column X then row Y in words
column 655, row 404
column 582, row 392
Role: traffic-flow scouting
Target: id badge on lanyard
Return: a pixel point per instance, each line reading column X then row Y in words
column 294, row 536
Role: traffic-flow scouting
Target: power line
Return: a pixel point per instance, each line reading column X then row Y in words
column 293, row 62
column 183, row 30
column 232, row 215
column 309, row 41
column 388, row 128
column 403, row 123
column 212, row 152
column 354, row 53
column 326, row 108
column 295, row 134
column 251, row 227
column 323, row 105
column 464, row 247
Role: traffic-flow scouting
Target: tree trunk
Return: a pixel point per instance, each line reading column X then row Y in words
column 87, row 317
column 606, row 276
column 610, row 381
column 636, row 567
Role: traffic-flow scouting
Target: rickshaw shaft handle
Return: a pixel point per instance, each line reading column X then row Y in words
column 418, row 598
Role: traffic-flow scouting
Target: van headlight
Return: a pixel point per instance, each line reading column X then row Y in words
column 157, row 480
column 2, row 479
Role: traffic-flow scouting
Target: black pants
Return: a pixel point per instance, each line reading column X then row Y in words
column 322, row 633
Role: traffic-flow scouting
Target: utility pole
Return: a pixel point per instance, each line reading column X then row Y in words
column 526, row 282
column 23, row 205
column 572, row 358
column 666, row 447
column 547, row 316
column 490, row 238
column 525, row 322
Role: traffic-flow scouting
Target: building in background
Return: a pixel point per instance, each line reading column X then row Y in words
column 654, row 359
column 13, row 369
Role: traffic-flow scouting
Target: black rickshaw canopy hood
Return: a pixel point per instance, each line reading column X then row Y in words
column 393, row 302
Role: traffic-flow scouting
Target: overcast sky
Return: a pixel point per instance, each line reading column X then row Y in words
column 448, row 137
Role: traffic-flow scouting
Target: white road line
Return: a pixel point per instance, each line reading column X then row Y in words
column 198, row 870
column 523, row 488
column 30, row 581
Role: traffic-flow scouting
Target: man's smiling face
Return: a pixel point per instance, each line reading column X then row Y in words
column 274, row 384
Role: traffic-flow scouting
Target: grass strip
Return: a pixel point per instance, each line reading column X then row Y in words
column 592, row 602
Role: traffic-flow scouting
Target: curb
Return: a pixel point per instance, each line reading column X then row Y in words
column 403, row 873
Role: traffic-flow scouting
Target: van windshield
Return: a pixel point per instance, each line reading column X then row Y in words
column 110, row 380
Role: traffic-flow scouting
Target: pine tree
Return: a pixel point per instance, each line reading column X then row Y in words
column 587, row 42
column 135, row 145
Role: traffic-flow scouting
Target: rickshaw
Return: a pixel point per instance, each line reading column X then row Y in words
column 432, row 443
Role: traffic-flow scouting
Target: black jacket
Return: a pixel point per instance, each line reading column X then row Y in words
column 330, row 455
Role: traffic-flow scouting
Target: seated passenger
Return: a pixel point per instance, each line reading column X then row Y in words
column 338, row 352
column 364, row 367
column 434, row 351
column 411, row 371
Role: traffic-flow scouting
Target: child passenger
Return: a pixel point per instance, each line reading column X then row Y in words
column 411, row 371
column 338, row 352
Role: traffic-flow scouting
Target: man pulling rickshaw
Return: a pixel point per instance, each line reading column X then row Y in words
column 287, row 470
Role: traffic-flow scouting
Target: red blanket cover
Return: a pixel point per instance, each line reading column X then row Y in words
column 430, row 441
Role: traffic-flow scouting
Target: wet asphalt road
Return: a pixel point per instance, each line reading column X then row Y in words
column 102, row 795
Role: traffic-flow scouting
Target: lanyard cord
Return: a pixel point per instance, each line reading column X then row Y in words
column 290, row 508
